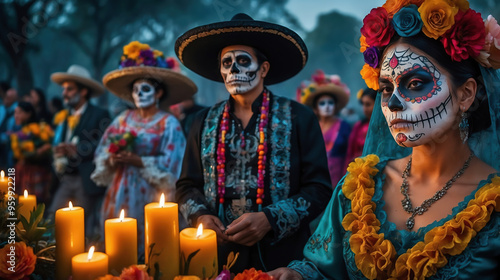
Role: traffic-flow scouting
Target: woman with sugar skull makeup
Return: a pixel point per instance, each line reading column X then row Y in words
column 138, row 174
column 424, row 202
column 327, row 95
column 255, row 169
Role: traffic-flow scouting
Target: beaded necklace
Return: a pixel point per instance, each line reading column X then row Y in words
column 261, row 150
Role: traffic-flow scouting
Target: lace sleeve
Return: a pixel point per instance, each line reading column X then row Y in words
column 103, row 174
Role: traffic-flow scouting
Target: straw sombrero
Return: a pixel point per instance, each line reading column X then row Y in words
column 139, row 61
column 80, row 75
column 324, row 84
column 198, row 49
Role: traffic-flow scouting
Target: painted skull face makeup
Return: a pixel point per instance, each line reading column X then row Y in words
column 239, row 69
column 326, row 106
column 143, row 93
column 416, row 97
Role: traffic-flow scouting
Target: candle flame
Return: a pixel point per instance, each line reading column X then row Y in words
column 122, row 215
column 91, row 253
column 2, row 175
column 199, row 232
column 162, row 200
column 25, row 193
column 70, row 206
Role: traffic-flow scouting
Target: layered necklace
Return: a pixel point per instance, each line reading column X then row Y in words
column 419, row 210
column 261, row 150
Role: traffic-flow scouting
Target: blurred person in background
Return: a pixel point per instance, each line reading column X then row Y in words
column 357, row 138
column 140, row 154
column 31, row 147
column 78, row 131
column 326, row 95
column 7, row 124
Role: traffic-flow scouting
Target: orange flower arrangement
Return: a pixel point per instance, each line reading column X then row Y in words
column 374, row 255
column 24, row 261
column 252, row 274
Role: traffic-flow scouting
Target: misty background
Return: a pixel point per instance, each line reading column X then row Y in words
column 41, row 37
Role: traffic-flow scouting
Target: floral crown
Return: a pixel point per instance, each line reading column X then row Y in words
column 318, row 79
column 138, row 54
column 460, row 29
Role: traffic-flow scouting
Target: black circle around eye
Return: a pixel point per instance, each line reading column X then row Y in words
column 145, row 88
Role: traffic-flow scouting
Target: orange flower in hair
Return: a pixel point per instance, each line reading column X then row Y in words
column 370, row 75
column 363, row 44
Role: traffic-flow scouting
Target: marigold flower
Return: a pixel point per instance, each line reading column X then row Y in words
column 252, row 274
column 370, row 75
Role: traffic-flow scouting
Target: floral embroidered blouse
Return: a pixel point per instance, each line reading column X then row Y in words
column 348, row 238
column 160, row 143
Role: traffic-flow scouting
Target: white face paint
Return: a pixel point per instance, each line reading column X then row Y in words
column 143, row 93
column 416, row 97
column 239, row 69
column 326, row 106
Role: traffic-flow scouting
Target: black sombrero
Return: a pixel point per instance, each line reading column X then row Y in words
column 198, row 48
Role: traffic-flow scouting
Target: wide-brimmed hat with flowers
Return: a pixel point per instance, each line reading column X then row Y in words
column 81, row 75
column 460, row 29
column 199, row 47
column 324, row 84
column 140, row 61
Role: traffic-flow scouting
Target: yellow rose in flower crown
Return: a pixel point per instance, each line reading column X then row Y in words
column 133, row 50
column 24, row 260
column 438, row 16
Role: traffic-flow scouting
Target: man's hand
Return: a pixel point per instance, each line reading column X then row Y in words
column 248, row 229
column 66, row 149
column 213, row 222
column 285, row 273
column 126, row 158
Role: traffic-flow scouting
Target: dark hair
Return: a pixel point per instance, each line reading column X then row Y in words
column 479, row 114
column 42, row 103
column 57, row 103
column 4, row 86
column 370, row 93
column 156, row 84
column 81, row 86
column 28, row 108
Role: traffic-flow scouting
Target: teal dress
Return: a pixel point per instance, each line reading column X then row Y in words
column 328, row 254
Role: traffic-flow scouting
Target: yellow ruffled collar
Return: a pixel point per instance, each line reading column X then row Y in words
column 375, row 256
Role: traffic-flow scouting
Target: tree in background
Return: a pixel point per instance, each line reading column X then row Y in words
column 21, row 22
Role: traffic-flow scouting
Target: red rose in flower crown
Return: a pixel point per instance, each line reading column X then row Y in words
column 466, row 38
column 377, row 28
column 122, row 142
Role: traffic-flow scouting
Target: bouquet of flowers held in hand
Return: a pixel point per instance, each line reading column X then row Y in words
column 25, row 142
column 122, row 142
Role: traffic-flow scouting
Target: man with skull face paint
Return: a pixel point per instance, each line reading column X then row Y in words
column 255, row 169
column 140, row 174
column 424, row 201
